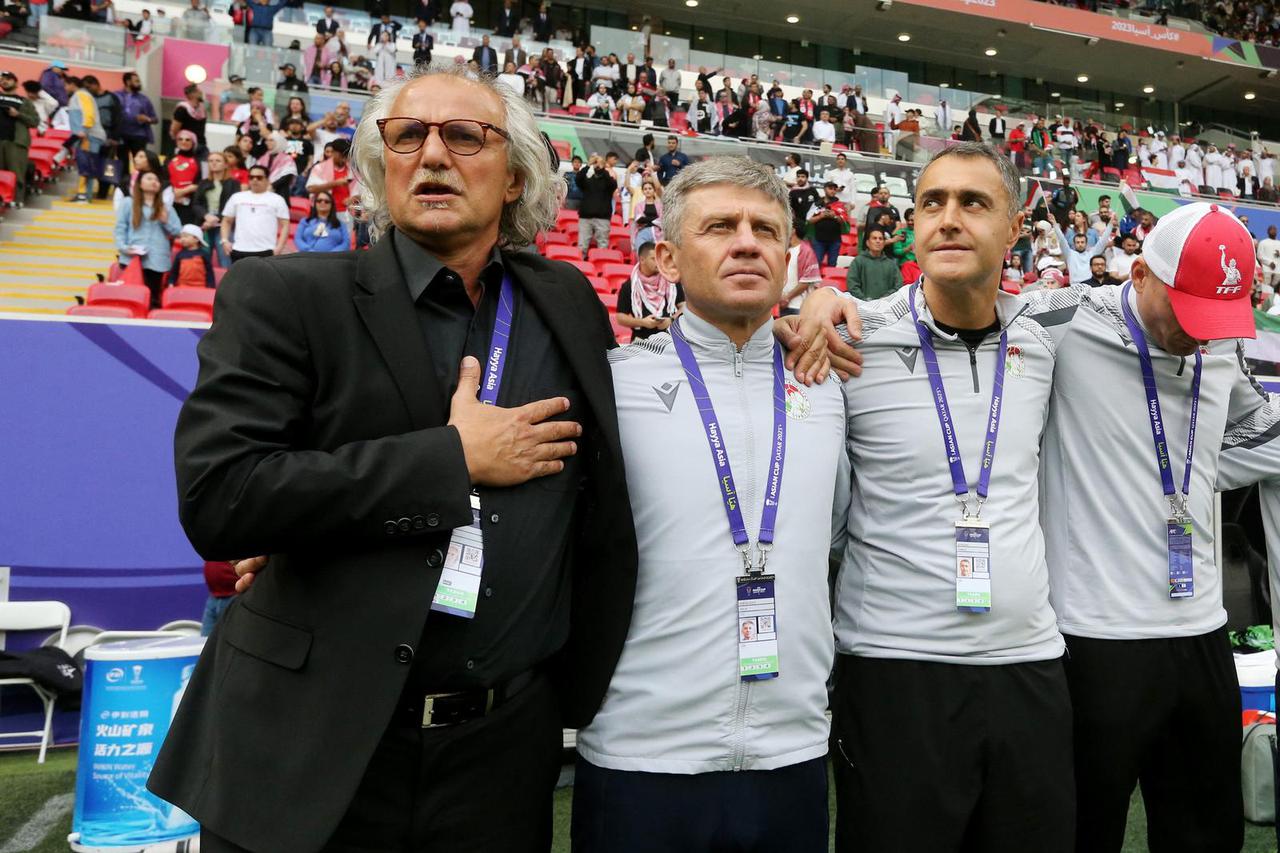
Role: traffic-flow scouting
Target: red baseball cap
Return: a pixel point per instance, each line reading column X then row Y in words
column 1205, row 256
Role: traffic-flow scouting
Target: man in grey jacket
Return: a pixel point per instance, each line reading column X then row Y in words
column 943, row 624
column 719, row 697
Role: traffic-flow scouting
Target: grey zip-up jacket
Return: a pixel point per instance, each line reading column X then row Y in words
column 676, row 703
column 895, row 596
column 1103, row 507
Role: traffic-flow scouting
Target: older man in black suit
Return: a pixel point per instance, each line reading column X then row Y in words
column 450, row 582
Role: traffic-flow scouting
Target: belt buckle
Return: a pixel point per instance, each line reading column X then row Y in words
column 428, row 709
column 429, row 702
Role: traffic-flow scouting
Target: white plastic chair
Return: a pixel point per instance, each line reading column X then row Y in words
column 35, row 616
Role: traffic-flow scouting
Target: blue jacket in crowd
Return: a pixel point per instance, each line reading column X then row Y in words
column 157, row 237
column 335, row 239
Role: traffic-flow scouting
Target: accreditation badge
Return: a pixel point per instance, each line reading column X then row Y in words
column 459, row 587
column 1181, row 572
column 973, row 566
column 757, row 628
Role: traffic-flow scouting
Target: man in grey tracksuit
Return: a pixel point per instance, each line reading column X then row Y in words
column 1134, row 581
column 701, row 743
column 951, row 700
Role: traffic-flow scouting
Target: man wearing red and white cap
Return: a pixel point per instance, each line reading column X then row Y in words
column 1149, row 389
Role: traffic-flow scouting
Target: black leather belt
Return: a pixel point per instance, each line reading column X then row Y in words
column 433, row 710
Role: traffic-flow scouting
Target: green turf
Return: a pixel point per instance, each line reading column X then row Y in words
column 25, row 786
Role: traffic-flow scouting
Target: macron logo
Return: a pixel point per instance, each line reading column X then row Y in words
column 667, row 393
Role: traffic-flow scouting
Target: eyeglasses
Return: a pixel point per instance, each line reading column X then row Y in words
column 462, row 136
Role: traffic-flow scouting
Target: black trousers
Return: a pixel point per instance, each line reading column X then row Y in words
column 480, row 787
column 753, row 811
column 950, row 758
column 235, row 256
column 154, row 280
column 1163, row 714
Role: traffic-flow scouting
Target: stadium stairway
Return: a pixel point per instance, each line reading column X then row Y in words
column 52, row 250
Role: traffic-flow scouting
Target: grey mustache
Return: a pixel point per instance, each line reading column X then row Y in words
column 444, row 179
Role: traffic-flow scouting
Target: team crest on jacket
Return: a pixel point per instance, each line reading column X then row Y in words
column 798, row 405
column 1015, row 364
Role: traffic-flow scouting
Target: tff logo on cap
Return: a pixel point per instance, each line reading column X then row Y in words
column 1205, row 256
column 1207, row 253
column 1231, row 282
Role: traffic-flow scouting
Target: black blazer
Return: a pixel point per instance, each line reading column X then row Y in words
column 542, row 28
column 230, row 187
column 327, row 27
column 486, row 58
column 508, row 20
column 315, row 434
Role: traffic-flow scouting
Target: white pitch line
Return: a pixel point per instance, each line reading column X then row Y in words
column 34, row 830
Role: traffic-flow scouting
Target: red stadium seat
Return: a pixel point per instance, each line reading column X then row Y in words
column 565, row 214
column 560, row 252
column 616, row 281
column 563, row 148
column 228, row 110
column 180, row 314
column 60, row 135
column 198, row 299
column 8, row 187
column 588, row 268
column 576, row 110
column 604, row 255
column 615, row 221
column 610, row 270
column 45, row 144
column 299, row 209
column 679, row 121
column 133, row 297
column 113, row 311
column 621, row 243
column 601, row 286
column 42, row 160
column 557, row 238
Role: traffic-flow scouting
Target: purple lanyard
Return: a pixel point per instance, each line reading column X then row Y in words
column 1158, row 435
column 498, row 345
column 720, row 453
column 950, row 440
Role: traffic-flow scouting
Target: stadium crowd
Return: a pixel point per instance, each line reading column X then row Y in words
column 1257, row 21
column 233, row 203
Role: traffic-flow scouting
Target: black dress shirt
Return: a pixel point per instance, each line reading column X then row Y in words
column 522, row 616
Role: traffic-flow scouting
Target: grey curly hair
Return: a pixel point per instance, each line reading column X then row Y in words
column 527, row 155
